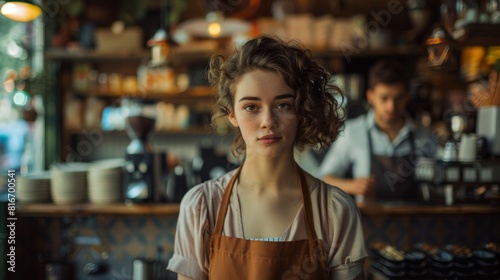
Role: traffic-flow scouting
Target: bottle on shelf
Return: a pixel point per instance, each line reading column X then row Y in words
column 158, row 75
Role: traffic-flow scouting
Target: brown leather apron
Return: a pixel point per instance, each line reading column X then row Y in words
column 235, row 258
column 394, row 176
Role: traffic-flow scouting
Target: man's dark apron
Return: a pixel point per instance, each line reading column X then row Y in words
column 394, row 176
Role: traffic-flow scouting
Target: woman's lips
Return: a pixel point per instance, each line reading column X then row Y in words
column 269, row 139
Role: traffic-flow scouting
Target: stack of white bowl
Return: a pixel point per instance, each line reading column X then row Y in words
column 105, row 181
column 69, row 182
column 33, row 188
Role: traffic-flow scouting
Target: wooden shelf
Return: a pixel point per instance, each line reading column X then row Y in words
column 187, row 55
column 366, row 209
column 480, row 34
column 63, row 54
column 193, row 94
column 194, row 130
column 178, row 55
column 389, row 51
column 373, row 209
column 48, row 209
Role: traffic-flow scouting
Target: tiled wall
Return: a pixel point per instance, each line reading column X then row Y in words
column 115, row 240
column 124, row 238
column 406, row 231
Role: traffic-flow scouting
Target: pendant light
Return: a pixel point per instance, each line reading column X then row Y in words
column 214, row 25
column 18, row 10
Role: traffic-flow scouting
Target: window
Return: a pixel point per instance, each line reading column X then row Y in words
column 21, row 108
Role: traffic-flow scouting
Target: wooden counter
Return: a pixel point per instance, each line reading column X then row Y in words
column 372, row 209
column 48, row 209
column 169, row 209
column 132, row 230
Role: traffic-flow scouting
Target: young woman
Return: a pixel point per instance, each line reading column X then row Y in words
column 268, row 219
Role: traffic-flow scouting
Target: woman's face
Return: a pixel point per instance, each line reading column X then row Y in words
column 264, row 113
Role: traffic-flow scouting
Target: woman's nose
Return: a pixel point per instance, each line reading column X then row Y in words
column 268, row 119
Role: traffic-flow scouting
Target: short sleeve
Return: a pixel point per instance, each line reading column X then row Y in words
column 347, row 252
column 192, row 237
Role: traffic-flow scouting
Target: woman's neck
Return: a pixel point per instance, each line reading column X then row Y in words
column 265, row 174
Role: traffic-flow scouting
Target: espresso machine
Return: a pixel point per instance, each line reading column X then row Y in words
column 468, row 171
column 145, row 171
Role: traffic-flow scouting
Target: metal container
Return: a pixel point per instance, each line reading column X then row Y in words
column 142, row 269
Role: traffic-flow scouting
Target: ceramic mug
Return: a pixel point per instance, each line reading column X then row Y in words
column 468, row 148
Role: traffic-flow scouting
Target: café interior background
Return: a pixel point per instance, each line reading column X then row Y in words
column 67, row 73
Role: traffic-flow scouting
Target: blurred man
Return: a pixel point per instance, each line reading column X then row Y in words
column 375, row 157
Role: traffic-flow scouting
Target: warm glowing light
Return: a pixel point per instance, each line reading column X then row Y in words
column 214, row 29
column 21, row 11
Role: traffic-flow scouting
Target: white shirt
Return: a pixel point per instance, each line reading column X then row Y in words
column 351, row 150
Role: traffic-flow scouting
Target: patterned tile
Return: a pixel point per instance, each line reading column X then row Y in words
column 127, row 238
column 404, row 232
column 421, row 226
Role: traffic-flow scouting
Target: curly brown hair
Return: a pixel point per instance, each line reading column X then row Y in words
column 319, row 111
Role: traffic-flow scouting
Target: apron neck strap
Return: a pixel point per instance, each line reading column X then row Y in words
column 225, row 202
column 306, row 200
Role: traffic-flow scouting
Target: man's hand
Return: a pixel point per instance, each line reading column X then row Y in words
column 359, row 186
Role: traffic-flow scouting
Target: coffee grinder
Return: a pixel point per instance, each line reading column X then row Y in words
column 145, row 171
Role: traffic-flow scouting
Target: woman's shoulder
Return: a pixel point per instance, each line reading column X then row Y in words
column 336, row 197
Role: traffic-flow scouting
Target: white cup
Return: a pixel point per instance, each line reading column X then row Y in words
column 467, row 148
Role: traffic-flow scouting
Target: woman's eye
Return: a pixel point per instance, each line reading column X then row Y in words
column 284, row 106
column 250, row 107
